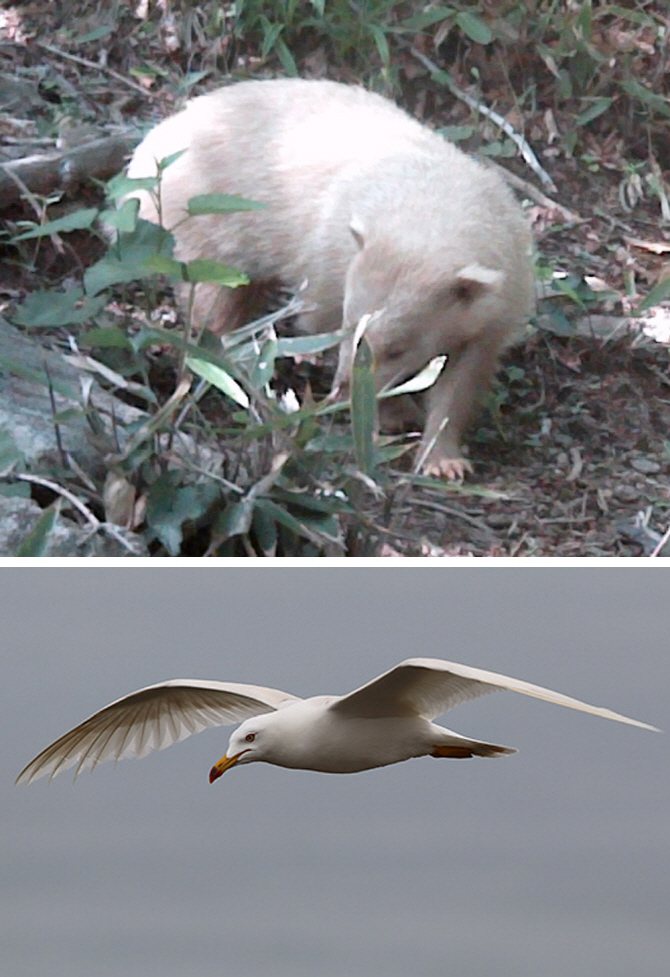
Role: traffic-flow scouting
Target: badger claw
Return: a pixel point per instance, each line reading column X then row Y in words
column 453, row 469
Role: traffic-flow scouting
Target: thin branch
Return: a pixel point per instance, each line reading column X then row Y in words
column 28, row 194
column 443, row 78
column 59, row 490
column 532, row 192
column 54, row 411
column 96, row 67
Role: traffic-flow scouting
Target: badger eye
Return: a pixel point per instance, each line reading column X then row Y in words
column 250, row 737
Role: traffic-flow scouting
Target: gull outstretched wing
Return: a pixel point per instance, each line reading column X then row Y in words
column 151, row 719
column 429, row 687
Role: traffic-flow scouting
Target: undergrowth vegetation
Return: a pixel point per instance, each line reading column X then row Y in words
column 269, row 475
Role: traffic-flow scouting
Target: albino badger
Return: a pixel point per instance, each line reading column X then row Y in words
column 374, row 210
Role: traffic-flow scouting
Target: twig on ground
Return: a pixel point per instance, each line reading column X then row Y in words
column 94, row 523
column 31, row 141
column 46, row 173
column 449, row 511
column 658, row 549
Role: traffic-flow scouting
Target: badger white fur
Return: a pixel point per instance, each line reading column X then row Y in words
column 371, row 208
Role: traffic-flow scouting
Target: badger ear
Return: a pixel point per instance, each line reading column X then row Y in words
column 474, row 281
column 358, row 232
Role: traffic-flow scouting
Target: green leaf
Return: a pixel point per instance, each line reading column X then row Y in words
column 326, row 526
column 569, row 287
column 10, row 456
column 169, row 160
column 51, row 309
column 270, row 34
column 514, row 373
column 159, row 264
column 596, row 108
column 298, row 526
column 657, row 103
column 287, row 61
column 235, row 520
column 37, row 540
column 207, row 270
column 76, row 221
column 584, row 18
column 127, row 259
column 655, row 297
column 557, row 323
column 499, row 148
column 95, row 35
column 264, row 366
column 381, row 43
column 457, row 133
column 171, row 504
column 340, row 444
column 123, row 218
column 192, row 78
column 121, row 185
column 219, row 378
column 220, row 203
column 443, row 78
column 325, row 504
column 419, row 22
column 108, row 337
column 363, row 407
column 307, row 345
column 421, row 381
column 265, row 531
column 145, row 71
column 639, row 17
column 390, row 452
column 475, row 29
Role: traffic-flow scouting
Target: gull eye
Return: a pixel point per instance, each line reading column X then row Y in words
column 250, row 737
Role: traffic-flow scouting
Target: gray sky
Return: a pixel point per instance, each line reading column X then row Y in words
column 553, row 862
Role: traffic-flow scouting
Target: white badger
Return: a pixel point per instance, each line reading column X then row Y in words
column 374, row 210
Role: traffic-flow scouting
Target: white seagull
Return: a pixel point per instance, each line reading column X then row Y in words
column 386, row 721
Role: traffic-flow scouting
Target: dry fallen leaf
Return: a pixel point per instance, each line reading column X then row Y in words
column 656, row 247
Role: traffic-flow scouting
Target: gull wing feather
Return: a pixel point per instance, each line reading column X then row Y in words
column 151, row 719
column 428, row 687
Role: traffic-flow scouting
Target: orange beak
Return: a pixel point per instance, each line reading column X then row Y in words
column 224, row 764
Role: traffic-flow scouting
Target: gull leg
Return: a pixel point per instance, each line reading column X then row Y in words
column 470, row 748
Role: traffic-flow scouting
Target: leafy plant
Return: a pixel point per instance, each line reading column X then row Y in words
column 360, row 34
column 223, row 464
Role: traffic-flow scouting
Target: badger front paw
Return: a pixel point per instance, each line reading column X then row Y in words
column 453, row 469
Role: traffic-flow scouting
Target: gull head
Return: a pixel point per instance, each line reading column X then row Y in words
column 251, row 741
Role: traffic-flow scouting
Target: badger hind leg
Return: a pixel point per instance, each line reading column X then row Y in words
column 222, row 310
column 400, row 414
